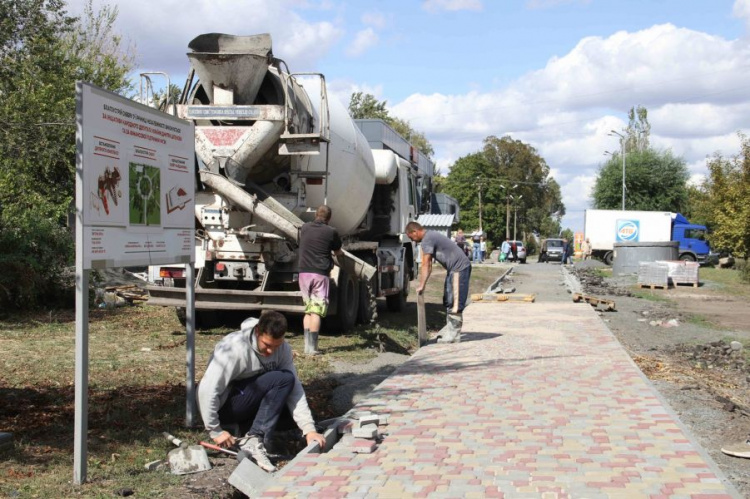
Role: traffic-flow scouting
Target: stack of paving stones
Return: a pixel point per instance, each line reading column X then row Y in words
column 541, row 403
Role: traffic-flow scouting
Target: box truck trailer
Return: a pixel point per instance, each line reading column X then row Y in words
column 604, row 228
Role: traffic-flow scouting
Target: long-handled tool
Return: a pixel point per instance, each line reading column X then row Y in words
column 186, row 458
column 217, row 448
column 421, row 320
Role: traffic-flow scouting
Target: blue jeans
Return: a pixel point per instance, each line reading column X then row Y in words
column 476, row 253
column 260, row 400
column 454, row 300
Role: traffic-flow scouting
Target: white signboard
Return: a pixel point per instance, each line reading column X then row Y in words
column 138, row 183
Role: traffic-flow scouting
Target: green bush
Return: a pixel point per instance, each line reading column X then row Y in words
column 531, row 246
column 33, row 257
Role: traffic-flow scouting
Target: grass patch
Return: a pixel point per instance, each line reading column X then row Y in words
column 700, row 320
column 650, row 295
column 727, row 280
column 603, row 272
column 137, row 388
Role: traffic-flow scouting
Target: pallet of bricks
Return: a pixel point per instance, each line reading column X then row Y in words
column 681, row 272
column 653, row 275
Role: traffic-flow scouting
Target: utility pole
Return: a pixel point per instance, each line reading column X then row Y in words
column 515, row 214
column 479, row 185
column 622, row 151
column 507, row 210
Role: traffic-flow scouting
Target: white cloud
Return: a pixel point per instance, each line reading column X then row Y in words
column 451, row 5
column 364, row 40
column 343, row 90
column 741, row 9
column 693, row 84
column 374, row 19
column 299, row 42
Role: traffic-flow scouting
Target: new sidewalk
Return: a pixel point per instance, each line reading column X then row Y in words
column 540, row 400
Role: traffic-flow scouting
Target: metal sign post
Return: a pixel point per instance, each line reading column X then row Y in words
column 135, row 188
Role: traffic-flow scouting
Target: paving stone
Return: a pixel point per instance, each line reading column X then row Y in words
column 540, row 402
column 249, row 479
column 367, row 431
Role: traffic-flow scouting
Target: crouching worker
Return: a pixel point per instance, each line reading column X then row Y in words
column 249, row 381
column 456, row 291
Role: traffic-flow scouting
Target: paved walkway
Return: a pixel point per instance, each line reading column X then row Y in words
column 540, row 400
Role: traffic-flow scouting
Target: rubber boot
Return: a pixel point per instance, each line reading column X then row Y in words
column 311, row 343
column 452, row 329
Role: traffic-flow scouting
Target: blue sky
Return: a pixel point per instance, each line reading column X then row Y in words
column 557, row 74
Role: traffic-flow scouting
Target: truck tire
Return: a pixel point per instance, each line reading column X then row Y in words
column 204, row 319
column 687, row 257
column 368, row 305
column 397, row 303
column 609, row 257
column 347, row 294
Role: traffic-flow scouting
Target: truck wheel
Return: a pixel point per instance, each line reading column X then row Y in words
column 368, row 305
column 347, row 295
column 687, row 257
column 397, row 303
column 204, row 319
column 609, row 256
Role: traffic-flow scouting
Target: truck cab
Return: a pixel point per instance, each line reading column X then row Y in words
column 692, row 238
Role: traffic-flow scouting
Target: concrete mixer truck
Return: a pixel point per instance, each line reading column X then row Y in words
column 271, row 146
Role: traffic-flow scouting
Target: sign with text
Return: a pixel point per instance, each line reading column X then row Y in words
column 137, row 176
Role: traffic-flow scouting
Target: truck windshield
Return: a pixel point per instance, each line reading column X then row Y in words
column 698, row 234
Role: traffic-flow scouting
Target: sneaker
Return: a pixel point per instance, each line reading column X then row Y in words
column 253, row 446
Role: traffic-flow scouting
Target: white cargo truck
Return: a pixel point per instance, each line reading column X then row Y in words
column 604, row 228
column 271, row 147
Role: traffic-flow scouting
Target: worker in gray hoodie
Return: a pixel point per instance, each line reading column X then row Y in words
column 249, row 380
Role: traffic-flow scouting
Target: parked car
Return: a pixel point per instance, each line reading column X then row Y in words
column 520, row 251
column 552, row 249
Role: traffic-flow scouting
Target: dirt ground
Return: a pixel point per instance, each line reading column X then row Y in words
column 688, row 363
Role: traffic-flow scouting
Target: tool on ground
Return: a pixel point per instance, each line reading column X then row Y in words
column 421, row 320
column 484, row 298
column 594, row 301
column 217, row 448
column 186, row 458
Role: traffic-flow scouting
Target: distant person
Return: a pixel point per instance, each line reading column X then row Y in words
column 482, row 248
column 504, row 250
column 586, row 249
column 461, row 240
column 476, row 237
column 249, row 381
column 514, row 251
column 317, row 243
column 567, row 257
column 456, row 288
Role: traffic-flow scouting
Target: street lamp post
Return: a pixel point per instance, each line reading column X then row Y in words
column 622, row 151
column 479, row 185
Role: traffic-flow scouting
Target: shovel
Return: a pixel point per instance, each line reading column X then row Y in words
column 421, row 320
column 186, row 458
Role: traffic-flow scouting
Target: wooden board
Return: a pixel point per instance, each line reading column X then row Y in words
column 421, row 320
column 513, row 298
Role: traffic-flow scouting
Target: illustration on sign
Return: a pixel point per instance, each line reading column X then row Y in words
column 108, row 186
column 628, row 231
column 145, row 195
column 177, row 198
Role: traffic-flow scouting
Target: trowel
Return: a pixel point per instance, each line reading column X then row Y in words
column 186, row 458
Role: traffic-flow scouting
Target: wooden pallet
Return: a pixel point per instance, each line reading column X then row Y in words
column 652, row 286
column 594, row 301
column 511, row 298
column 685, row 283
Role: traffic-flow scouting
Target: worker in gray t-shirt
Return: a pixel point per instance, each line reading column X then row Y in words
column 438, row 247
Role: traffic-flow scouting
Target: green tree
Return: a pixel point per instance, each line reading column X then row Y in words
column 638, row 131
column 366, row 106
column 505, row 168
column 727, row 192
column 654, row 180
column 43, row 52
